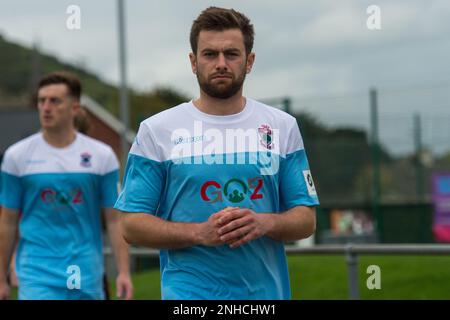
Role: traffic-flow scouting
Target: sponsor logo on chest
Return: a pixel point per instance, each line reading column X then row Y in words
column 86, row 158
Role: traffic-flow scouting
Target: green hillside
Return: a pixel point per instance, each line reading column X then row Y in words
column 21, row 67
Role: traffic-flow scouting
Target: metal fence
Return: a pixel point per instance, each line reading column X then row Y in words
column 351, row 252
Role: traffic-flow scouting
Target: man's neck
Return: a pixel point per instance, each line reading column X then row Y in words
column 220, row 107
column 59, row 138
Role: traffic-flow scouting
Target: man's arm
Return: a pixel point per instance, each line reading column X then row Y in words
column 147, row 230
column 233, row 226
column 9, row 220
column 294, row 224
column 124, row 285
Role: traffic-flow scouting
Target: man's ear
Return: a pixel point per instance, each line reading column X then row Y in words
column 250, row 60
column 193, row 60
column 76, row 106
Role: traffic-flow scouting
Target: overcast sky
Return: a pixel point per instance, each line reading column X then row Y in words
column 320, row 53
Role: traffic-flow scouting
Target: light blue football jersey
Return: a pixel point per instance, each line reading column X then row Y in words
column 186, row 165
column 1, row 193
column 59, row 193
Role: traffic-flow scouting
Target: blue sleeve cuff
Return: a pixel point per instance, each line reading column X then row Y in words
column 109, row 183
column 11, row 191
column 142, row 185
column 297, row 187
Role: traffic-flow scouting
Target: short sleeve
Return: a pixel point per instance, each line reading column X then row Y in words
column 1, row 188
column 296, row 182
column 144, row 176
column 109, row 179
column 11, row 181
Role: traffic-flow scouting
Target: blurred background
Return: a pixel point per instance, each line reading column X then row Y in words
column 373, row 105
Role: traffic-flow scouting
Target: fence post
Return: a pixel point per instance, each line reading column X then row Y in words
column 352, row 264
column 287, row 103
column 375, row 148
column 420, row 177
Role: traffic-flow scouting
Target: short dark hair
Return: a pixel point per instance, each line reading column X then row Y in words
column 82, row 121
column 220, row 19
column 63, row 77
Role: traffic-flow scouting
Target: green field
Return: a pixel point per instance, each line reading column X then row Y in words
column 325, row 277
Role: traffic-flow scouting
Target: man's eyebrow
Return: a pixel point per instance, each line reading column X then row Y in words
column 232, row 50
column 219, row 50
column 209, row 49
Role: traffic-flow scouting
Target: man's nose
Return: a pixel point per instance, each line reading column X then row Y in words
column 221, row 62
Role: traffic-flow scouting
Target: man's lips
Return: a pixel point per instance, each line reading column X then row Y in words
column 221, row 76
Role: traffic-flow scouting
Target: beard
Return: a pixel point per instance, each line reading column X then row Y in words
column 221, row 90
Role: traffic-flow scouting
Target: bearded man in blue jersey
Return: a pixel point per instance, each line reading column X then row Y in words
column 60, row 181
column 219, row 183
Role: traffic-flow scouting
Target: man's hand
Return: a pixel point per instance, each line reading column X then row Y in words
column 4, row 290
column 208, row 231
column 240, row 226
column 124, row 286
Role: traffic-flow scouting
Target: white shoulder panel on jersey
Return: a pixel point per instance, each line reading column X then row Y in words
column 154, row 133
column 290, row 137
column 33, row 155
column 15, row 154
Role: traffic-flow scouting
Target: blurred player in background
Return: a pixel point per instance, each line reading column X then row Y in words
column 220, row 182
column 11, row 277
column 61, row 181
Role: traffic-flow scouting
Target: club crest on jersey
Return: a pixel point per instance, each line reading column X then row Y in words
column 265, row 133
column 86, row 160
